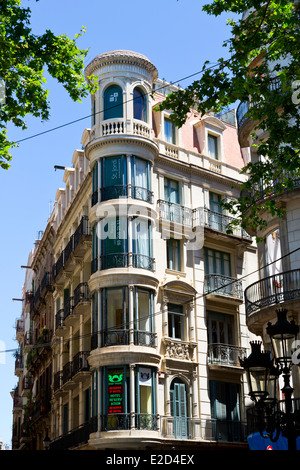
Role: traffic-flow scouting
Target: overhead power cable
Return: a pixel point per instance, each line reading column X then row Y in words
column 159, row 312
column 112, row 107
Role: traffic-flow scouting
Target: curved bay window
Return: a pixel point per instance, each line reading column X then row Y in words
column 113, row 102
column 115, row 316
column 112, row 180
column 127, row 319
column 117, row 248
column 114, row 243
column 139, row 105
column 118, row 384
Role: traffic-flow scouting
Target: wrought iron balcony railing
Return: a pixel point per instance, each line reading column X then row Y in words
column 219, row 284
column 175, row 213
column 272, row 290
column 225, row 354
column 217, row 221
column 81, row 293
column 114, row 337
column 243, row 107
column 123, row 260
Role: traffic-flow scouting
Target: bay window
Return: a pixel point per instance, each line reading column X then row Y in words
column 115, row 180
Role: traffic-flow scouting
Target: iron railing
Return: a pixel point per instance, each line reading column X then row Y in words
column 243, row 107
column 225, row 354
column 144, row 338
column 143, row 194
column 175, row 213
column 123, row 260
column 81, row 293
column 143, row 261
column 219, row 222
column 83, row 229
column 272, row 290
column 114, row 337
column 223, row 285
column 167, row 427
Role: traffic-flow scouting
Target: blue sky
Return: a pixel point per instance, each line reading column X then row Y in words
column 174, row 34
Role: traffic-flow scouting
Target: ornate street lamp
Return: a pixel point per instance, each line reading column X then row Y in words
column 273, row 416
column 257, row 366
column 46, row 442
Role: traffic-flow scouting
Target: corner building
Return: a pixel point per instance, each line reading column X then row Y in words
column 148, row 302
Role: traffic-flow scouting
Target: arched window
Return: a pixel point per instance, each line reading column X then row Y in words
column 178, row 402
column 113, row 102
column 139, row 105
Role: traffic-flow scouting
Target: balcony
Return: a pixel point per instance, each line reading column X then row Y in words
column 272, row 291
column 19, row 330
column 175, row 213
column 123, row 260
column 245, row 123
column 122, row 191
column 82, row 299
column 218, row 285
column 118, row 337
column 165, row 427
column 218, row 223
column 74, row 438
column 77, row 245
column 224, row 355
column 201, row 429
column 72, row 372
column 119, row 126
column 119, row 421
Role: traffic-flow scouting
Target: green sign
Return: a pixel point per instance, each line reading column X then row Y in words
column 115, row 393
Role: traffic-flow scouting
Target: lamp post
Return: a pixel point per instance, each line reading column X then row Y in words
column 274, row 417
column 46, row 442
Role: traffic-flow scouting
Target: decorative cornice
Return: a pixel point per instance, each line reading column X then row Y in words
column 129, row 139
column 121, row 57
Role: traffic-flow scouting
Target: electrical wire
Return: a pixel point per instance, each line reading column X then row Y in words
column 87, row 335
column 112, row 107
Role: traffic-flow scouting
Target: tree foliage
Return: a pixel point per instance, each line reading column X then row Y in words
column 24, row 59
column 262, row 73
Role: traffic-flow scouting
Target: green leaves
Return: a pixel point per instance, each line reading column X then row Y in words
column 263, row 45
column 23, row 60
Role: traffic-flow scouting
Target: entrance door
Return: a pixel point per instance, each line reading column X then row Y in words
column 179, row 409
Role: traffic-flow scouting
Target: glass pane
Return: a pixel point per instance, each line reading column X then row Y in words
column 143, row 310
column 140, row 173
column 212, row 146
column 114, row 237
column 173, row 255
column 169, row 131
column 113, row 102
column 114, row 309
column 139, row 105
column 114, row 171
column 171, row 191
column 142, row 240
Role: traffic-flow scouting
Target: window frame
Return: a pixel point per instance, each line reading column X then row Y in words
column 116, row 111
column 174, row 247
column 173, row 318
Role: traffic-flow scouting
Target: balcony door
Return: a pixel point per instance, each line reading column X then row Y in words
column 178, row 400
column 220, row 337
column 225, row 410
column 215, row 215
column 172, row 198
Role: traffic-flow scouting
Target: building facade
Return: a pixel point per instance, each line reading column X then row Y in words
column 136, row 283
